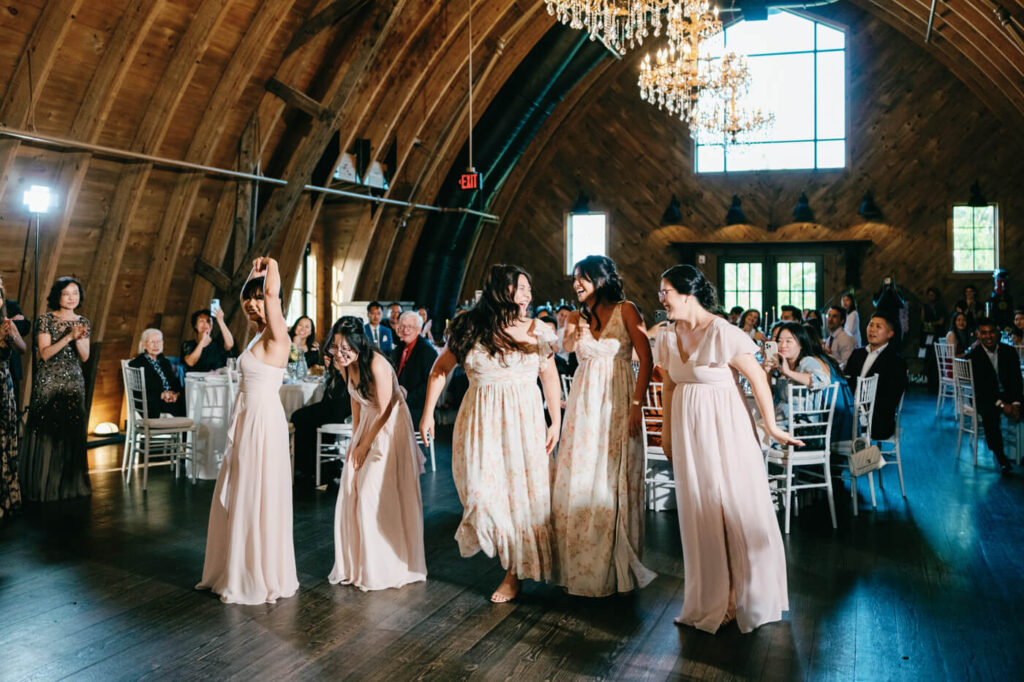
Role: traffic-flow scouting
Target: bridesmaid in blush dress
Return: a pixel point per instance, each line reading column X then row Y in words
column 733, row 558
column 250, row 557
column 378, row 521
column 501, row 446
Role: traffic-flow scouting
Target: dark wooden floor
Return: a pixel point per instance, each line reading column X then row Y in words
column 924, row 588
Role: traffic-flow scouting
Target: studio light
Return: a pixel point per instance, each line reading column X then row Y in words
column 38, row 199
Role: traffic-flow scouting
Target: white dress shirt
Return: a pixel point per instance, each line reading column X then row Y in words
column 840, row 345
column 870, row 359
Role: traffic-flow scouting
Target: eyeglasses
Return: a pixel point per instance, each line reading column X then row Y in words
column 662, row 293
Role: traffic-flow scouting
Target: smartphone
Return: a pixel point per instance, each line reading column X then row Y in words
column 214, row 305
column 660, row 316
column 771, row 349
column 477, row 295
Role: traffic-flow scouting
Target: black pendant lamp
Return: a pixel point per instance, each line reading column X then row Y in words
column 803, row 213
column 735, row 216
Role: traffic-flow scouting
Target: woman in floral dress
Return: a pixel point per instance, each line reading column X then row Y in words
column 10, row 342
column 501, row 445
column 598, row 496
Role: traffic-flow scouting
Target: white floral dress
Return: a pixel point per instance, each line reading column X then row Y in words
column 501, row 468
column 598, row 497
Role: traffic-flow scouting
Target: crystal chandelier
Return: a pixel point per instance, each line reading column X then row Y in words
column 722, row 111
column 619, row 24
column 675, row 80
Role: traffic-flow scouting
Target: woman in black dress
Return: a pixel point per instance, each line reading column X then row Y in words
column 54, row 464
column 163, row 389
column 303, row 336
column 206, row 352
column 10, row 342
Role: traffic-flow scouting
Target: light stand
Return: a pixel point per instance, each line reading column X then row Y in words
column 38, row 199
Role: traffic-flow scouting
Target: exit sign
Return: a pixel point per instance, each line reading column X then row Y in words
column 470, row 181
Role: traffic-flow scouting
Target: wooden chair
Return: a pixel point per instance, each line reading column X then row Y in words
column 863, row 411
column 655, row 460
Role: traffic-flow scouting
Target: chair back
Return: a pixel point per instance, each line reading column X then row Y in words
column 963, row 375
column 654, row 390
column 864, row 405
column 944, row 356
column 135, row 392
column 653, row 416
column 636, row 367
column 566, row 386
column 810, row 416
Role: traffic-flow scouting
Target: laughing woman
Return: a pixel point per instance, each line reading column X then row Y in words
column 598, row 497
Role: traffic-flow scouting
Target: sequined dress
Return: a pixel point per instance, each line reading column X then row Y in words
column 10, row 491
column 54, row 464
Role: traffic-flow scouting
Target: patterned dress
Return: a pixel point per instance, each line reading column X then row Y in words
column 598, row 497
column 54, row 463
column 501, row 468
column 10, row 491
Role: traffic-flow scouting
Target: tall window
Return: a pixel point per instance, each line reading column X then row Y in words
column 743, row 285
column 303, row 299
column 586, row 234
column 797, row 283
column 798, row 73
column 975, row 232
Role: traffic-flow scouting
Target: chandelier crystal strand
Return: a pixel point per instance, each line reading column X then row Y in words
column 620, row 24
column 723, row 112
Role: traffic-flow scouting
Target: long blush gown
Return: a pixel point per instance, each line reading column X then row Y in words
column 378, row 521
column 250, row 556
column 597, row 502
column 731, row 538
column 501, row 469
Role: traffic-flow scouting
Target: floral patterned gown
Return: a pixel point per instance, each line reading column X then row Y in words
column 54, row 461
column 501, row 468
column 10, row 491
column 598, row 497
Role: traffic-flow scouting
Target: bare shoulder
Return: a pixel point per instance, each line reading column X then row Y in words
column 630, row 312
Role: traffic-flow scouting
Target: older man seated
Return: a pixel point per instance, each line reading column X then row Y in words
column 413, row 357
column 164, row 393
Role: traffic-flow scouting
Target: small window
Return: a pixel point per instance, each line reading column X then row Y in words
column 743, row 285
column 797, row 283
column 586, row 234
column 975, row 238
column 303, row 299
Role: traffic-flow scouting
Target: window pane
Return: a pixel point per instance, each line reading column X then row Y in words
column 587, row 237
column 783, row 85
column 710, row 159
column 832, row 154
column 963, row 260
column 783, row 32
column 772, row 156
column 831, row 94
column 962, row 216
column 830, row 38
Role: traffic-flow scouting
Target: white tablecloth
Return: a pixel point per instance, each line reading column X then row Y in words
column 209, row 403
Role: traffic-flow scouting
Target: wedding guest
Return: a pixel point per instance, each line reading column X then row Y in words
column 813, row 317
column 998, row 389
column 852, row 326
column 750, row 323
column 735, row 313
column 207, row 352
column 970, row 306
column 303, row 336
column 933, row 324
column 960, row 337
column 1017, row 331
column 597, row 502
column 790, row 313
column 839, row 343
column 378, row 520
column 24, row 328
column 54, row 463
column 11, row 343
column 380, row 336
column 394, row 312
column 561, row 317
column 334, row 408
column 413, row 357
column 164, row 393
column 500, row 446
column 880, row 357
column 733, row 559
column 426, row 324
column 250, row 556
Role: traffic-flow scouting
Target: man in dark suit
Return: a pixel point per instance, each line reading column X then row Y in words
column 880, row 357
column 413, row 357
column 998, row 388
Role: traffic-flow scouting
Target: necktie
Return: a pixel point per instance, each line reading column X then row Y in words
column 828, row 345
column 376, row 336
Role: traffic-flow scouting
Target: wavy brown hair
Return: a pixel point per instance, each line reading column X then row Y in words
column 486, row 321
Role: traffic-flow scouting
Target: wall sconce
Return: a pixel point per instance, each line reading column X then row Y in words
column 868, row 209
column 735, row 215
column 803, row 213
column 672, row 214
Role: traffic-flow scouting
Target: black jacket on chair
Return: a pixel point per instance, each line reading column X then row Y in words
column 154, row 387
column 892, row 383
column 986, row 384
column 414, row 375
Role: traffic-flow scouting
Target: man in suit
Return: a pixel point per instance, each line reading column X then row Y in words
column 838, row 343
column 880, row 357
column 998, row 388
column 379, row 335
column 790, row 313
column 413, row 357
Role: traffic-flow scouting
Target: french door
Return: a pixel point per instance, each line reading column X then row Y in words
column 769, row 282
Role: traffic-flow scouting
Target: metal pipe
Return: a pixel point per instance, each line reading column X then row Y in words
column 201, row 168
column 931, row 17
column 779, row 4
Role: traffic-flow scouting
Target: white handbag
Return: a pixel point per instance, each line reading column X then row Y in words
column 865, row 457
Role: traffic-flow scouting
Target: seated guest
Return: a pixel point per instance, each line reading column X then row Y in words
column 1016, row 332
column 750, row 323
column 839, row 344
column 997, row 385
column 394, row 312
column 427, row 332
column 207, row 352
column 378, row 334
column 303, row 336
column 413, row 357
column 164, row 394
column 790, row 313
column 882, row 358
column 735, row 313
column 960, row 337
column 970, row 306
column 334, row 408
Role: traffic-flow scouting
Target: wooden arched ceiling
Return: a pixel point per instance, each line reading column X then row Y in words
column 273, row 85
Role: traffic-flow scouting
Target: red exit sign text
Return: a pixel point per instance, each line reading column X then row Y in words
column 471, row 181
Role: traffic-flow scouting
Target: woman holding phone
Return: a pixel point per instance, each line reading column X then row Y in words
column 207, row 352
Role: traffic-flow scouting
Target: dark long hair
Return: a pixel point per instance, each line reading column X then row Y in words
column 312, row 328
column 818, row 350
column 351, row 330
column 688, row 280
column 600, row 271
column 485, row 322
column 963, row 336
column 799, row 332
column 53, row 298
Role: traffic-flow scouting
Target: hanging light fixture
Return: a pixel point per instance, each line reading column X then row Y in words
column 735, row 215
column 722, row 110
column 868, row 209
column 803, row 213
column 619, row 24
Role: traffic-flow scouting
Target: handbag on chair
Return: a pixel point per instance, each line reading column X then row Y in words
column 865, row 457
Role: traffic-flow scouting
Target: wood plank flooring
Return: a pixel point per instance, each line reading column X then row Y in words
column 923, row 588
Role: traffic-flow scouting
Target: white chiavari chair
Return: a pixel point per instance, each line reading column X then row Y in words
column 332, row 441
column 967, row 413
column 947, row 386
column 863, row 411
column 429, row 448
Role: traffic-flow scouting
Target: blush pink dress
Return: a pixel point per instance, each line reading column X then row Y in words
column 378, row 521
column 250, row 557
column 732, row 547
column 597, row 502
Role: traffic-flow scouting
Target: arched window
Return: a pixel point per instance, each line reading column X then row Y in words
column 798, row 73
